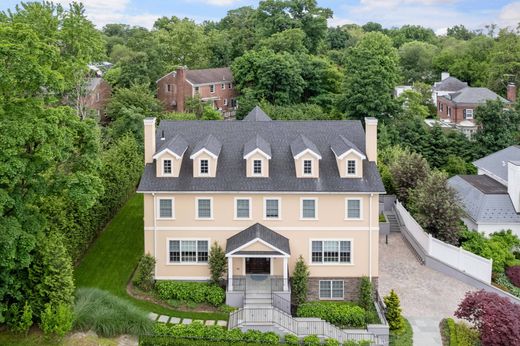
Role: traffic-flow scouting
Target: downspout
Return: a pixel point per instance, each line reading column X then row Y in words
column 370, row 238
column 154, row 226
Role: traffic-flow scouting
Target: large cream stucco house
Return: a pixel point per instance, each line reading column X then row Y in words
column 267, row 192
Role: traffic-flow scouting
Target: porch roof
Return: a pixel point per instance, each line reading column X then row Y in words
column 261, row 233
column 259, row 253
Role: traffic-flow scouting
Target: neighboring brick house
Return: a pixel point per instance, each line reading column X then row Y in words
column 214, row 85
column 447, row 85
column 267, row 192
column 97, row 95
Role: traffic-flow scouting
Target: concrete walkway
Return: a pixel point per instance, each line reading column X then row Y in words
column 176, row 320
column 427, row 296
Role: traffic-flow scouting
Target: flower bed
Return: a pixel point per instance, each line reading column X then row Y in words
column 341, row 314
column 196, row 292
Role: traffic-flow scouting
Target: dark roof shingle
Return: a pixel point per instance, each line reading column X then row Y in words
column 257, row 114
column 302, row 143
column 176, row 144
column 257, row 143
column 210, row 143
column 209, row 75
column 261, row 232
column 340, row 145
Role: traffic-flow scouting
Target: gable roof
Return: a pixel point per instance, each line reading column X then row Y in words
column 176, row 145
column 258, row 231
column 496, row 163
column 484, row 200
column 474, row 95
column 209, row 75
column 340, row 146
column 256, row 114
column 93, row 83
column 301, row 144
column 209, row 143
column 231, row 169
column 257, row 143
column 449, row 84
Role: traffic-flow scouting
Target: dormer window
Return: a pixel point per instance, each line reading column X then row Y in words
column 204, row 167
column 167, row 167
column 257, row 167
column 307, row 167
column 351, row 167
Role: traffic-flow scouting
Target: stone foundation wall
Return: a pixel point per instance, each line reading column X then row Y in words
column 350, row 287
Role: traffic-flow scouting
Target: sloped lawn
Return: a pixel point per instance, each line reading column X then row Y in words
column 111, row 260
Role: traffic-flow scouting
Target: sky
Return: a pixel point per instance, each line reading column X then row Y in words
column 435, row 14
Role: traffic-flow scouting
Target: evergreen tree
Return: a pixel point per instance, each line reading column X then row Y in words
column 393, row 311
column 217, row 263
column 299, row 281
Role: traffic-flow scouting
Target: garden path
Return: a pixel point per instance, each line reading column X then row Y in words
column 427, row 296
column 176, row 320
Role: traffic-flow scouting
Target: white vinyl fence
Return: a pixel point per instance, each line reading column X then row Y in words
column 456, row 257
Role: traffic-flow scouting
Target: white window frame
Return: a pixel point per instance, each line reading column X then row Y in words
column 303, row 167
column 171, row 167
column 158, row 206
column 253, row 168
column 279, row 208
column 250, row 208
column 212, row 88
column 355, row 168
column 197, row 209
column 360, row 208
column 331, row 298
column 223, row 86
column 225, row 102
column 200, row 168
column 196, row 90
column 186, row 263
column 98, row 96
column 467, row 114
column 230, row 85
column 322, row 263
column 315, row 208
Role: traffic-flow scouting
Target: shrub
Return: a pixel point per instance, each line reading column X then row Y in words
column 217, row 263
column 19, row 321
column 144, row 274
column 513, row 274
column 291, row 339
column 311, row 340
column 299, row 281
column 56, row 320
column 393, row 311
column 496, row 318
column 460, row 334
column 341, row 314
column 197, row 292
column 331, row 342
column 365, row 294
column 108, row 315
column 502, row 281
column 402, row 337
column 270, row 338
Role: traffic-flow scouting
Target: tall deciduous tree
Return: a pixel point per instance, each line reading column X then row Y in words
column 370, row 77
column 408, row 169
column 417, row 61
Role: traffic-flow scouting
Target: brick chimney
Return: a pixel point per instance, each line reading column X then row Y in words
column 511, row 92
column 181, row 82
column 149, row 140
column 371, row 139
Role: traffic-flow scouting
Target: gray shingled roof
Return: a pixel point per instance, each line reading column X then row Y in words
column 231, row 169
column 474, row 95
column 258, row 231
column 481, row 207
column 341, row 145
column 177, row 144
column 496, row 163
column 210, row 143
column 93, row 83
column 450, row 84
column 209, row 75
column 302, row 143
column 257, row 114
column 257, row 143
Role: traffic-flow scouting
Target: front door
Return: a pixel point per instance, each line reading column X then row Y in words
column 256, row 265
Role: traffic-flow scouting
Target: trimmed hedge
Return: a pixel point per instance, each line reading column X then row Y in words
column 460, row 334
column 197, row 292
column 342, row 314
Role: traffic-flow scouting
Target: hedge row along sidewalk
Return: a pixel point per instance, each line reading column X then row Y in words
column 112, row 258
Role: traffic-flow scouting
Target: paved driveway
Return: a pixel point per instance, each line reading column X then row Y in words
column 427, row 296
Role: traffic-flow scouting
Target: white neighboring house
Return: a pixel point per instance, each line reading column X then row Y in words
column 447, row 85
column 398, row 90
column 491, row 199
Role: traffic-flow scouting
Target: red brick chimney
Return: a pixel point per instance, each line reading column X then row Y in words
column 181, row 82
column 511, row 92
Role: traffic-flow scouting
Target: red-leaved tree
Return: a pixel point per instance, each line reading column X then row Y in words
column 496, row 318
column 513, row 273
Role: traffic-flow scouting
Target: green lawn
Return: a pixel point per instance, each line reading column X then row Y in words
column 112, row 258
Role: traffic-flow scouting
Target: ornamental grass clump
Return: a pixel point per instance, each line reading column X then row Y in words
column 108, row 315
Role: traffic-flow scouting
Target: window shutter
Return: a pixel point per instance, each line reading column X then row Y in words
column 464, row 113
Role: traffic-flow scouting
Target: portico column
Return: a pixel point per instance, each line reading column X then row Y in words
column 230, row 273
column 285, row 283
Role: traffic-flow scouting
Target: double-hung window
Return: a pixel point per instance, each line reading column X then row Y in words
column 468, row 113
column 243, row 208
column 257, row 167
column 167, row 167
column 204, row 208
column 229, row 85
column 331, row 251
column 353, row 209
column 331, row 289
column 308, row 208
column 307, row 167
column 165, row 208
column 223, row 86
column 204, row 167
column 351, row 167
column 272, row 208
column 212, row 88
column 188, row 251
column 196, row 89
